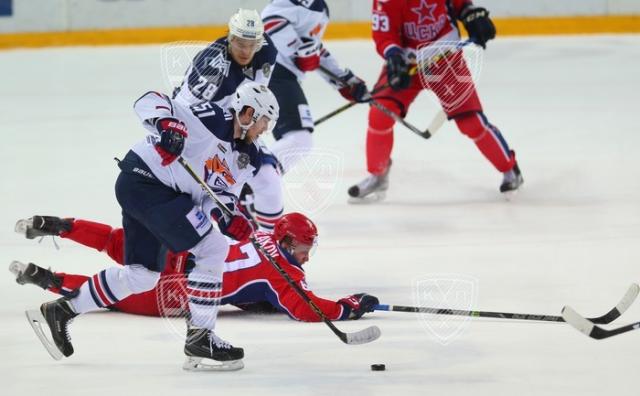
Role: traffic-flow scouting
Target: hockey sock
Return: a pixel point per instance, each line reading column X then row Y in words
column 204, row 290
column 488, row 139
column 379, row 146
column 292, row 147
column 109, row 286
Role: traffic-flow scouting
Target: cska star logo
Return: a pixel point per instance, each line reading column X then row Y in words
column 220, row 168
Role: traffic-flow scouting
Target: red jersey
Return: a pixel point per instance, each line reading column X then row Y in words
column 408, row 24
column 248, row 277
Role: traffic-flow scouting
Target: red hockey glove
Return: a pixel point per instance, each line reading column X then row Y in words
column 237, row 227
column 478, row 24
column 307, row 57
column 359, row 304
column 355, row 90
column 172, row 136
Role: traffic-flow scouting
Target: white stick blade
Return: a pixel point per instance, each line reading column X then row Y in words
column 576, row 320
column 437, row 122
column 364, row 336
column 628, row 298
column 36, row 320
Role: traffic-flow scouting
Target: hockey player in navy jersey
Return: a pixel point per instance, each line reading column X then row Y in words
column 245, row 54
column 164, row 207
column 249, row 281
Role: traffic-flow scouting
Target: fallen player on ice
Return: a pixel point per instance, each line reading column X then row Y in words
column 250, row 282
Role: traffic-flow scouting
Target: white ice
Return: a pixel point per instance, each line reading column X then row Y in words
column 567, row 105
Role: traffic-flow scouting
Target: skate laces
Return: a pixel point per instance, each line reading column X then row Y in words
column 218, row 342
column 53, row 238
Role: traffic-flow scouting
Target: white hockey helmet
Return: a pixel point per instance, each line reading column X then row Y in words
column 247, row 24
column 260, row 99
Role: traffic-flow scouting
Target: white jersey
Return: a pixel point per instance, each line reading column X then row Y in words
column 222, row 162
column 291, row 23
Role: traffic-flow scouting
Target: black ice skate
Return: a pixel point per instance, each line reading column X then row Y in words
column 40, row 226
column 35, row 275
column 204, row 344
column 57, row 315
column 512, row 180
column 372, row 188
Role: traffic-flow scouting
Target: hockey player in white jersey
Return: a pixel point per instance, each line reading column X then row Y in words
column 163, row 207
column 296, row 27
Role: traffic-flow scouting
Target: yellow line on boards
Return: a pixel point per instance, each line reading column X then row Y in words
column 349, row 30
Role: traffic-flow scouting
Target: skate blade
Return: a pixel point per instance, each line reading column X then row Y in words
column 368, row 199
column 510, row 195
column 36, row 321
column 17, row 268
column 202, row 364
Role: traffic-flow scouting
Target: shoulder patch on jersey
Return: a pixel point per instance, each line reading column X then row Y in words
column 243, row 160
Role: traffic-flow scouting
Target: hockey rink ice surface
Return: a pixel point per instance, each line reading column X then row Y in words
column 567, row 105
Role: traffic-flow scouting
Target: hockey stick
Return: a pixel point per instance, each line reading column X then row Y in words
column 437, row 122
column 412, row 72
column 609, row 317
column 363, row 336
column 590, row 329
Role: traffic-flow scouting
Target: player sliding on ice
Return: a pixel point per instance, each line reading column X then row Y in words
column 249, row 280
column 400, row 28
column 162, row 206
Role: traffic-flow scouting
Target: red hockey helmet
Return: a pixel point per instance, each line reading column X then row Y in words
column 298, row 227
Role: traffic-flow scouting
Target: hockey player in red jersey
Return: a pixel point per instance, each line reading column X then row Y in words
column 249, row 280
column 399, row 29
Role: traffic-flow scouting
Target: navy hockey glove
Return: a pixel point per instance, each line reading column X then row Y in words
column 237, row 227
column 359, row 304
column 355, row 90
column 397, row 70
column 478, row 24
column 172, row 135
column 307, row 57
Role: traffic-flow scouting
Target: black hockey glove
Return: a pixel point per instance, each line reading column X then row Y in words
column 397, row 70
column 359, row 304
column 355, row 90
column 172, row 135
column 478, row 24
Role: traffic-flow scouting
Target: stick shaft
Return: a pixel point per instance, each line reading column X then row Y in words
column 477, row 314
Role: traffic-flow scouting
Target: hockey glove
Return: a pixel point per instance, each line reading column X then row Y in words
column 172, row 136
column 237, row 227
column 307, row 57
column 359, row 304
column 355, row 90
column 397, row 70
column 478, row 24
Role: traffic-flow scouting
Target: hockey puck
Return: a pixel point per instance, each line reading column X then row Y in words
column 378, row 367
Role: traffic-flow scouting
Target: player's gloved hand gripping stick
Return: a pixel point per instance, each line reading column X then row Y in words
column 359, row 337
column 437, row 122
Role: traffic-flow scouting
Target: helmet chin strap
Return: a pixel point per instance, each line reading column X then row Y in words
column 244, row 128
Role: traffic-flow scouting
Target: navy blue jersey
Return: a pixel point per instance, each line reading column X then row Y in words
column 214, row 76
